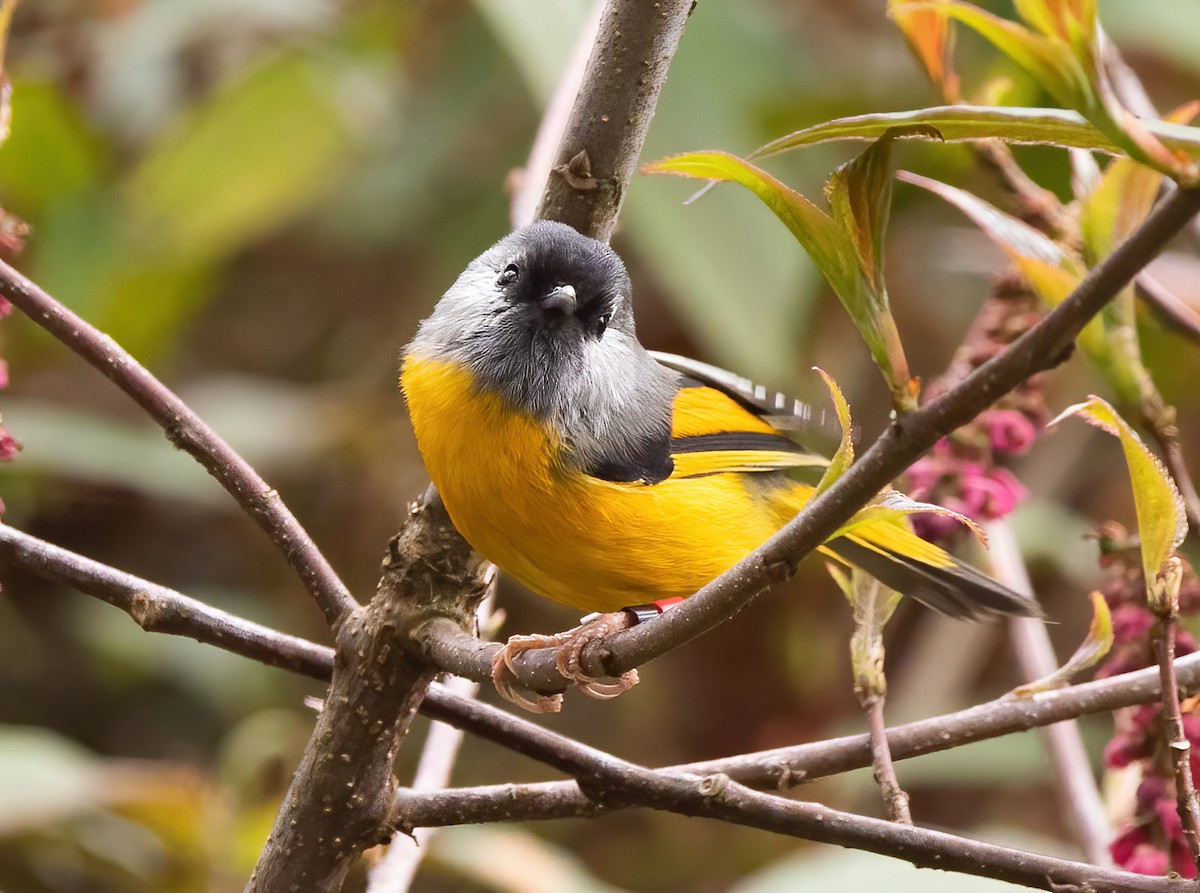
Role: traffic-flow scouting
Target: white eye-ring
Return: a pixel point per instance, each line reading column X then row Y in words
column 509, row 275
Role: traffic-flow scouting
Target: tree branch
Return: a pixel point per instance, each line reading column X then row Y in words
column 340, row 798
column 190, row 433
column 612, row 113
column 610, row 781
column 780, row 768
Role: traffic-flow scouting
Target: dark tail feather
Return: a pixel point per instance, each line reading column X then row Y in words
column 957, row 589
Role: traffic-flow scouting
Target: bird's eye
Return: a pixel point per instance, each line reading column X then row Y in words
column 509, row 275
column 602, row 323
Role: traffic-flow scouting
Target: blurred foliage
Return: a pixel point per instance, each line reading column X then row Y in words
column 260, row 198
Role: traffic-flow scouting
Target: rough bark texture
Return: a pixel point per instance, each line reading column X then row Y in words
column 612, row 113
column 341, row 796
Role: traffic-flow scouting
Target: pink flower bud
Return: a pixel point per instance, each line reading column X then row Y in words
column 1010, row 432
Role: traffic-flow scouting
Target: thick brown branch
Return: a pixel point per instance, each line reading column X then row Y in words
column 339, row 801
column 612, row 113
column 190, row 433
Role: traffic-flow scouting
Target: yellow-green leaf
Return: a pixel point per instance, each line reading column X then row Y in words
column 1091, row 650
column 1051, row 270
column 844, row 455
column 830, row 248
column 832, row 244
column 893, row 507
column 1162, row 523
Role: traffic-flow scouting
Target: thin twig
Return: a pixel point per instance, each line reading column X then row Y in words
column 716, row 796
column 161, row 610
column 780, row 768
column 1042, row 347
column 1171, row 310
column 1078, row 793
column 1177, row 742
column 187, row 431
column 895, row 800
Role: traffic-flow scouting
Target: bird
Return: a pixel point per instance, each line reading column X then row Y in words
column 602, row 475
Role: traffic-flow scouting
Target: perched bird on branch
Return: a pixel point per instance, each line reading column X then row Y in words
column 601, row 475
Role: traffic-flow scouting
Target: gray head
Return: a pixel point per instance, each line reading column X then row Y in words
column 545, row 319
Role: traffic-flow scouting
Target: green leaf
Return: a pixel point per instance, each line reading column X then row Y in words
column 1162, row 523
column 830, row 248
column 893, row 507
column 1091, row 650
column 965, row 123
column 844, row 247
column 844, row 455
column 1050, row 270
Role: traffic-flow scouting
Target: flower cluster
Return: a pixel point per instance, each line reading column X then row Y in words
column 8, row 444
column 1151, row 841
column 962, row 472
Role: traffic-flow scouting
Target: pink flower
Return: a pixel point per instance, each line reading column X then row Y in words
column 3, row 374
column 6, row 307
column 9, row 446
column 1131, row 623
column 991, row 493
column 1010, row 431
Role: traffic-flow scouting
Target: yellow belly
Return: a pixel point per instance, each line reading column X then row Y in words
column 591, row 544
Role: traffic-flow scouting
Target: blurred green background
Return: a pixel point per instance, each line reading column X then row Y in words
column 260, row 199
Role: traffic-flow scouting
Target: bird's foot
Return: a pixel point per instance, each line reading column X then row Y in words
column 571, row 651
column 570, row 645
column 510, row 687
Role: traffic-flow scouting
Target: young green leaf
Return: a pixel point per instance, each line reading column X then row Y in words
column 846, row 247
column 964, row 123
column 893, row 507
column 844, row 455
column 1051, row 270
column 1162, row 523
column 1091, row 650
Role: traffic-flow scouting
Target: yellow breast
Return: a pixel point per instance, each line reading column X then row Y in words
column 591, row 544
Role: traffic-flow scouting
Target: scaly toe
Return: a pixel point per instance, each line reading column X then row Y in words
column 510, row 687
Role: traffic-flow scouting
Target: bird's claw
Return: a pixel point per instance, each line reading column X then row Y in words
column 570, row 647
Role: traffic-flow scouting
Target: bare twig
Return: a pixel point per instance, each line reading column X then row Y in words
column 1078, row 793
column 612, row 113
column 190, row 433
column 895, row 800
column 608, row 780
column 1171, row 310
column 339, row 801
column 161, row 610
column 780, row 768
column 1042, row 347
column 1177, row 742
